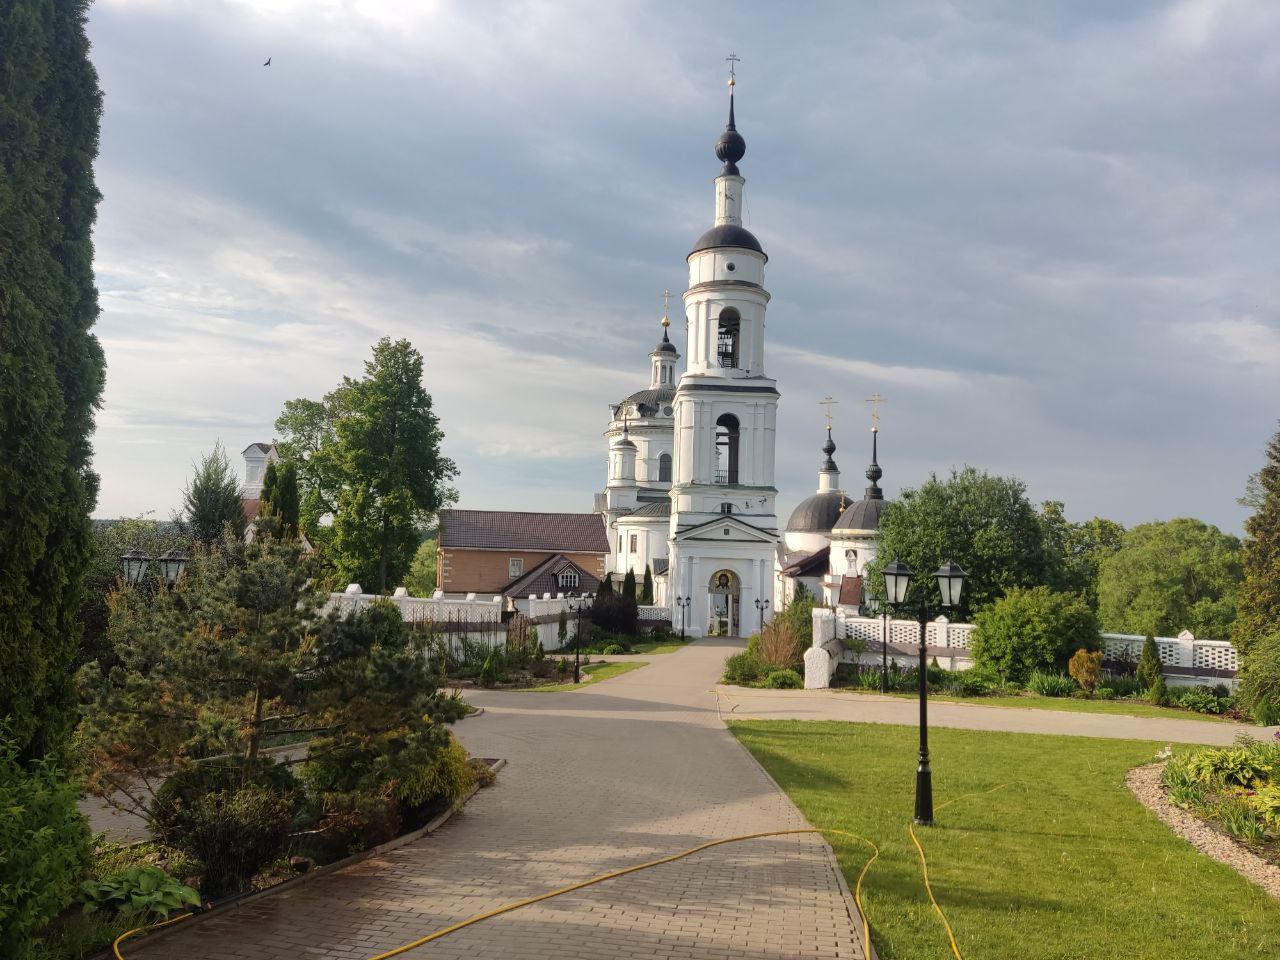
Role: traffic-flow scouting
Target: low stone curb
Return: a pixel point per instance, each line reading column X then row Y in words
column 1144, row 783
column 222, row 907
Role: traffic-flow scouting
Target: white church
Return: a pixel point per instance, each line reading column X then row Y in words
column 690, row 493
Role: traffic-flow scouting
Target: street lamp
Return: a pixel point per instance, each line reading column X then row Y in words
column 134, row 565
column 897, row 577
column 172, row 563
column 877, row 606
column 577, row 604
column 761, row 607
column 683, row 604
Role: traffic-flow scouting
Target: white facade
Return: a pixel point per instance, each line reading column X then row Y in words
column 723, row 528
column 256, row 457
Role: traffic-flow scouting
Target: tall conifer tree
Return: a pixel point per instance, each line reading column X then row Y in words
column 1258, row 602
column 51, row 365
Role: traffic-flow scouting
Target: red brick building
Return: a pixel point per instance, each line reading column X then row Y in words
column 513, row 553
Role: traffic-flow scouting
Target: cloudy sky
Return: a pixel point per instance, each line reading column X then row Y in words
column 1047, row 232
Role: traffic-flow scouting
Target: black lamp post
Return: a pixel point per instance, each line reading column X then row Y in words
column 133, row 565
column 576, row 604
column 897, row 577
column 683, row 604
column 877, row 606
column 761, row 607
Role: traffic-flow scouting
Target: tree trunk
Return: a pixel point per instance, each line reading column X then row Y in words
column 251, row 748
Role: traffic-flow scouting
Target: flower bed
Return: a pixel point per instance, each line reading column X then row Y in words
column 1236, row 789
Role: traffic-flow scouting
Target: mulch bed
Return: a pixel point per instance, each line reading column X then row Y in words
column 1144, row 782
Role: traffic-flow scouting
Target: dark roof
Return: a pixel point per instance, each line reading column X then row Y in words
column 510, row 530
column 818, row 513
column 657, row 508
column 545, row 578
column 262, row 448
column 850, row 591
column 727, row 235
column 814, row 564
column 863, row 515
column 652, row 397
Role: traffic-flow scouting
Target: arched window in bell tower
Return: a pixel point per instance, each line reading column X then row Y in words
column 727, row 338
column 727, row 449
column 664, row 468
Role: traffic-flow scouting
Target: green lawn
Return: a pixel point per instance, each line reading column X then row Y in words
column 597, row 672
column 658, row 646
column 1061, row 864
column 1128, row 708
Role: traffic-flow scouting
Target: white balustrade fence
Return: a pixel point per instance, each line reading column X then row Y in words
column 655, row 614
column 439, row 609
column 837, row 633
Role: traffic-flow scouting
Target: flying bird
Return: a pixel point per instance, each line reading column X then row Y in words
column 268, row 63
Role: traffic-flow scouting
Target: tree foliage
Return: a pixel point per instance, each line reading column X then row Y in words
column 629, row 586
column 1259, row 597
column 1076, row 550
column 280, row 495
column 111, row 539
column 646, row 589
column 1031, row 629
column 984, row 523
column 1170, row 576
column 421, row 580
column 237, row 656
column 369, row 455
column 1260, row 678
column 51, row 365
column 212, row 507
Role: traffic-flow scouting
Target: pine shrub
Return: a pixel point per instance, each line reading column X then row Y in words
column 1149, row 668
column 784, row 680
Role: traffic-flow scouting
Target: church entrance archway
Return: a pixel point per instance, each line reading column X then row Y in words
column 726, row 593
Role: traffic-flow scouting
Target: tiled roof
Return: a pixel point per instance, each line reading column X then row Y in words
column 545, row 578
column 814, row 564
column 509, row 530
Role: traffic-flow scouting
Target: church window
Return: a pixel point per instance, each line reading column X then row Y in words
column 568, row 579
column 727, row 338
column 634, row 542
column 515, row 567
column 727, row 449
column 726, row 508
column 664, row 468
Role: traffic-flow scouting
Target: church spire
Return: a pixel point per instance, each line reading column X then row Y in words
column 874, row 473
column 731, row 148
column 664, row 355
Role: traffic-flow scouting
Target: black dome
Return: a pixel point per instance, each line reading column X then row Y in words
column 666, row 346
column 817, row 514
column 727, row 235
column 731, row 148
column 654, row 396
column 863, row 515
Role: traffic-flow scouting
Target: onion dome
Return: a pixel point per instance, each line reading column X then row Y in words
column 730, row 147
column 866, row 513
column 819, row 513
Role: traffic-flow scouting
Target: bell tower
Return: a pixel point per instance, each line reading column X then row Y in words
column 723, row 517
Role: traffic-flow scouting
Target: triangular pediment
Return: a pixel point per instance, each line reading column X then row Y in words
column 713, row 531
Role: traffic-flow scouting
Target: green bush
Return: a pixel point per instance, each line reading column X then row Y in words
column 1051, row 684
column 491, row 672
column 146, row 894
column 1123, row 686
column 613, row 648
column 44, row 845
column 234, row 834
column 616, row 613
column 1159, row 693
column 1032, row 629
column 742, row 668
column 784, row 680
column 348, row 821
column 1149, row 668
column 1260, row 680
column 447, row 778
column 1200, row 699
column 181, row 791
column 1105, row 693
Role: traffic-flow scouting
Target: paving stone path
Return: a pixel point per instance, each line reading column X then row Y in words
column 597, row 779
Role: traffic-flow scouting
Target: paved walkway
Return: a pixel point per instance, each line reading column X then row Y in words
column 600, row 778
column 743, row 702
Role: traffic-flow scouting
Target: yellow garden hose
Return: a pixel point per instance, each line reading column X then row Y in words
column 517, row 904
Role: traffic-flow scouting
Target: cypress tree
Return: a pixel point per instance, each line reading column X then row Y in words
column 269, row 479
column 1258, row 602
column 646, row 590
column 629, row 586
column 606, row 585
column 51, row 365
column 287, row 502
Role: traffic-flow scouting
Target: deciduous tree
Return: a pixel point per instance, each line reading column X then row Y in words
column 984, row 523
column 1259, row 598
column 369, row 456
column 1079, row 548
column 1032, row 629
column 1170, row 576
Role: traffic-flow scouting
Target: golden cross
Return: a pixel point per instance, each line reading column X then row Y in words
column 875, row 400
column 733, row 60
column 666, row 308
column 828, row 402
